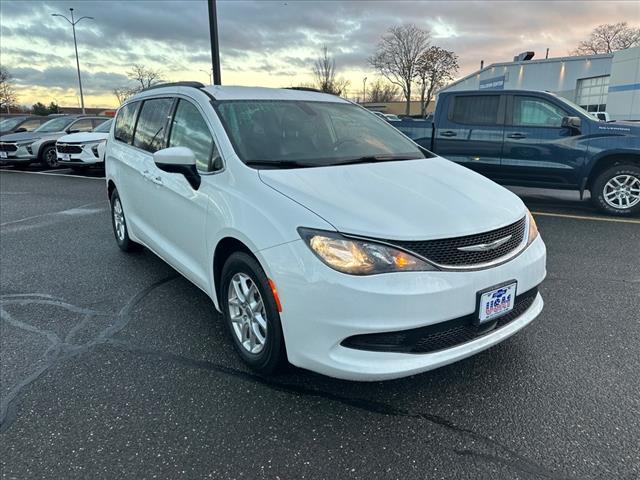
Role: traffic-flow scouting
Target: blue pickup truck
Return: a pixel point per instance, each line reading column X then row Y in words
column 536, row 139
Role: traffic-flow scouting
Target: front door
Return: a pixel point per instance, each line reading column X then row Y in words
column 538, row 150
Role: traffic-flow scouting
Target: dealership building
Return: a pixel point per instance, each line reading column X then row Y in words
column 598, row 83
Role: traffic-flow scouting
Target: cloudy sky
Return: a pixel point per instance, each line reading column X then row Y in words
column 269, row 43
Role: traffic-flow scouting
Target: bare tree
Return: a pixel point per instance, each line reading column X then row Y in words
column 324, row 72
column 436, row 67
column 609, row 38
column 397, row 56
column 143, row 76
column 381, row 91
column 8, row 96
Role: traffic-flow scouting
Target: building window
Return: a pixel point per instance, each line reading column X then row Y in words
column 591, row 93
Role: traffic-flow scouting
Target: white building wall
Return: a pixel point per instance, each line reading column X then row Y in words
column 623, row 99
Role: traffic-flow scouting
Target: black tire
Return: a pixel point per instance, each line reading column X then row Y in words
column 600, row 184
column 122, row 239
column 273, row 355
column 49, row 156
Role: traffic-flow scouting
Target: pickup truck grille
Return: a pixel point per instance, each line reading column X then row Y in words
column 68, row 148
column 8, row 147
column 446, row 252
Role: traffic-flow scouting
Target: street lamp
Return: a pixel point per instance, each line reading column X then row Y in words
column 75, row 44
column 209, row 73
column 364, row 90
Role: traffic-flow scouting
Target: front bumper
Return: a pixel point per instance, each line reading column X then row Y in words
column 84, row 158
column 322, row 307
column 21, row 155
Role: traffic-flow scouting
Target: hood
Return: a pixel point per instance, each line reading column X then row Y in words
column 83, row 137
column 23, row 136
column 405, row 200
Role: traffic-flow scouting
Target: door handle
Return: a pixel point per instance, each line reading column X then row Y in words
column 517, row 135
column 448, row 133
column 156, row 179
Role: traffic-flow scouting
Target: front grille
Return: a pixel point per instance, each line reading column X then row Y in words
column 67, row 148
column 445, row 251
column 439, row 336
column 8, row 147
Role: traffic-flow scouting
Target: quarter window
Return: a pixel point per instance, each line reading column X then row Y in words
column 125, row 121
column 151, row 125
column 190, row 130
column 30, row 125
column 531, row 111
column 476, row 109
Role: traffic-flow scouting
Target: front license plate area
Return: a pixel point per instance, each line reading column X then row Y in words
column 66, row 157
column 495, row 302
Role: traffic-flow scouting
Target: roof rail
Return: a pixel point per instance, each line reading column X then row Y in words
column 305, row 89
column 174, row 84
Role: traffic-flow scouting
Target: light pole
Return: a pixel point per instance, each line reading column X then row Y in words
column 209, row 73
column 75, row 44
column 364, row 90
column 215, row 46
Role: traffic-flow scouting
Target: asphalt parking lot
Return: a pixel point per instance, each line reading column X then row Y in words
column 114, row 366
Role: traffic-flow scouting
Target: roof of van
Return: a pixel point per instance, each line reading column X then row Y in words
column 228, row 92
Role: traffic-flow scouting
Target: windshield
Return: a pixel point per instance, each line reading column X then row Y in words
column 104, row 127
column 9, row 123
column 58, row 124
column 287, row 134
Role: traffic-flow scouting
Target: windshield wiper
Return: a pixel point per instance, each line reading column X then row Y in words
column 279, row 164
column 375, row 158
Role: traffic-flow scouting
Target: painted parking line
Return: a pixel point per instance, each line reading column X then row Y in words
column 586, row 217
column 50, row 173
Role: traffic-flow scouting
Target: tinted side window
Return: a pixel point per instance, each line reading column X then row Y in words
column 151, row 125
column 190, row 130
column 98, row 121
column 125, row 122
column 475, row 109
column 30, row 125
column 84, row 125
column 532, row 111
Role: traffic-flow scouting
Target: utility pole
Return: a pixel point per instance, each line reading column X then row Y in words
column 364, row 90
column 73, row 23
column 215, row 47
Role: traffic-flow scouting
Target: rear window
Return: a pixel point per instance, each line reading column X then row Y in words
column 125, row 122
column 475, row 109
column 152, row 123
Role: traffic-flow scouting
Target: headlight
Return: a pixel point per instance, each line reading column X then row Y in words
column 533, row 228
column 360, row 257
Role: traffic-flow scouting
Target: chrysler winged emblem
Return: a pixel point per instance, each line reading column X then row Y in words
column 485, row 247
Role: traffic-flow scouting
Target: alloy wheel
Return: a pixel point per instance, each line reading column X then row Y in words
column 51, row 158
column 622, row 191
column 118, row 220
column 247, row 313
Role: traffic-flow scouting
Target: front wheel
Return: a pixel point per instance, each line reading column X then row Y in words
column 617, row 190
column 49, row 157
column 119, row 223
column 251, row 314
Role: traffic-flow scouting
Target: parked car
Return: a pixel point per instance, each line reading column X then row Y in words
column 387, row 116
column 536, row 139
column 85, row 149
column 322, row 234
column 20, row 123
column 22, row 149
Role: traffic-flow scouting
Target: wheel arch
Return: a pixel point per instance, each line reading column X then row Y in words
column 608, row 161
column 224, row 248
column 43, row 146
column 111, row 186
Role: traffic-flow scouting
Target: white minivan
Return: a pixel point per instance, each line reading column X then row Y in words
column 323, row 235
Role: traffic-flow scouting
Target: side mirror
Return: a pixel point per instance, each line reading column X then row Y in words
column 572, row 122
column 178, row 160
column 20, row 130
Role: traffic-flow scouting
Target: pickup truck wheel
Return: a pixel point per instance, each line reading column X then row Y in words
column 617, row 190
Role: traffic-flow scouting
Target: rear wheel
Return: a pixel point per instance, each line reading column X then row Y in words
column 49, row 156
column 119, row 223
column 617, row 190
column 251, row 314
